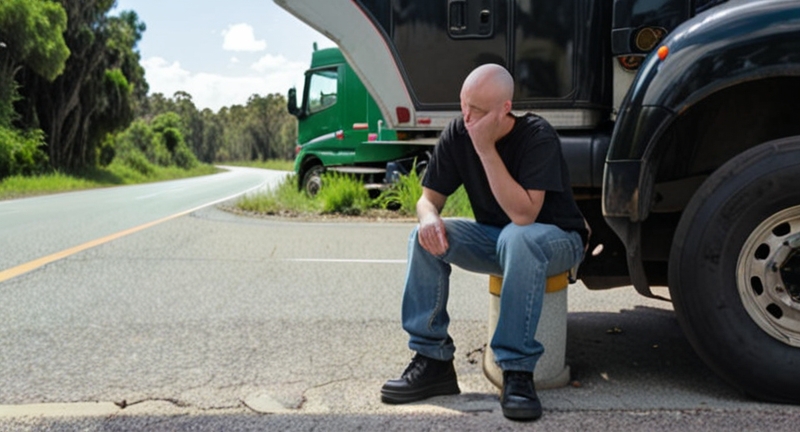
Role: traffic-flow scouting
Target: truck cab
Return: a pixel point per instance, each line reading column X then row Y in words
column 340, row 128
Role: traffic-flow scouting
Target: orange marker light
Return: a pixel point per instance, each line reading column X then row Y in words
column 663, row 52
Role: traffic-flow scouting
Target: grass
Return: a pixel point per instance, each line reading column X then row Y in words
column 406, row 192
column 458, row 205
column 115, row 174
column 343, row 195
column 340, row 195
column 285, row 199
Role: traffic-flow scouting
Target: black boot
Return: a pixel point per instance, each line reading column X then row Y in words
column 519, row 400
column 423, row 378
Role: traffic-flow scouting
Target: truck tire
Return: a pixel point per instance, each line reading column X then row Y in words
column 734, row 271
column 312, row 180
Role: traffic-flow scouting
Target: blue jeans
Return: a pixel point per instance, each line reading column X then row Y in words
column 524, row 255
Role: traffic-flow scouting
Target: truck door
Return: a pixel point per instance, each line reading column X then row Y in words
column 320, row 104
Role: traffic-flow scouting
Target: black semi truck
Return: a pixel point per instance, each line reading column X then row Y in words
column 680, row 122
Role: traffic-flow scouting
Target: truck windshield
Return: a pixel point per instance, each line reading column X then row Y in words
column 321, row 89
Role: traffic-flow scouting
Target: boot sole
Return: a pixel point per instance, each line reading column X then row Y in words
column 522, row 414
column 439, row 389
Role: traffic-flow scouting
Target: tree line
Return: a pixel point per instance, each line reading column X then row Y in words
column 73, row 95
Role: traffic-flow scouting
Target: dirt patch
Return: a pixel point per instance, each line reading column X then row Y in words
column 372, row 215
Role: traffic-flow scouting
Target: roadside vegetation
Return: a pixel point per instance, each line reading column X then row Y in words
column 57, row 58
column 75, row 112
column 116, row 174
column 346, row 196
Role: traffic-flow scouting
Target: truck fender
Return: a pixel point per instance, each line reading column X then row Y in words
column 734, row 43
column 730, row 44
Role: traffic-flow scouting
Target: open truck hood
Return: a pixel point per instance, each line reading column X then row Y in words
column 365, row 49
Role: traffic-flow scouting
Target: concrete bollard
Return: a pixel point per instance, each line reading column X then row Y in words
column 551, row 369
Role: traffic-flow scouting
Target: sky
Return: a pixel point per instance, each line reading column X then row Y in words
column 222, row 52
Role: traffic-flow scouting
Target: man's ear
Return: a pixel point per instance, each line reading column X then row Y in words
column 506, row 107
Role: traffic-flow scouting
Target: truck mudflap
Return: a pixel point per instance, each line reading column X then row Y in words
column 622, row 210
column 630, row 234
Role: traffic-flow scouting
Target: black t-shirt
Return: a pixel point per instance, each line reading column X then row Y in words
column 532, row 154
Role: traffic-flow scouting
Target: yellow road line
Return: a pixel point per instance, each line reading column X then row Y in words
column 33, row 265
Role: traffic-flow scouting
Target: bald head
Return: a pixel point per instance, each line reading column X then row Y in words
column 488, row 90
column 490, row 82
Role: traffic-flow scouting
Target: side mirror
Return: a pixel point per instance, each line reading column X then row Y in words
column 291, row 105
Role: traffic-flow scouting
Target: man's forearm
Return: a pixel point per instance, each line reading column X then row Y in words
column 426, row 209
column 512, row 197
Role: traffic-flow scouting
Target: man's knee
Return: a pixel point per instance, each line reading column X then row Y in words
column 513, row 234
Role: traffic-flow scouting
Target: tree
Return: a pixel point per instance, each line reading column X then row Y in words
column 192, row 121
column 237, row 143
column 31, row 36
column 167, row 128
column 270, row 127
column 95, row 94
column 213, row 133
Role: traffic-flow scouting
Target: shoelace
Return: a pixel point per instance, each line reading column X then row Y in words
column 416, row 367
column 521, row 379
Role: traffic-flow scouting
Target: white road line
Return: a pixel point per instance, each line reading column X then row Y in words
column 170, row 190
column 360, row 261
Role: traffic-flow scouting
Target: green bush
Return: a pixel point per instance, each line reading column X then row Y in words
column 21, row 153
column 406, row 191
column 284, row 198
column 403, row 194
column 343, row 194
column 139, row 135
column 106, row 151
column 184, row 158
column 172, row 138
column 137, row 142
column 8, row 95
column 138, row 162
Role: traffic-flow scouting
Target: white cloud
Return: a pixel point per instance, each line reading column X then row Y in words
column 240, row 37
column 271, row 63
column 276, row 75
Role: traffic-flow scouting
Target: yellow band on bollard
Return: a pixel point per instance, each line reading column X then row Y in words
column 555, row 283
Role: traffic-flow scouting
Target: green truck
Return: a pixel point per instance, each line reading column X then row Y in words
column 340, row 128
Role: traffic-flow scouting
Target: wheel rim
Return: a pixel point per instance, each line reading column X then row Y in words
column 313, row 181
column 768, row 272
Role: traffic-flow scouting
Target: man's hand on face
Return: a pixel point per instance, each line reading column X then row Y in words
column 485, row 131
column 432, row 235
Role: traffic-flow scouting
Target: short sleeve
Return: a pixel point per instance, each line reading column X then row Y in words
column 539, row 164
column 442, row 174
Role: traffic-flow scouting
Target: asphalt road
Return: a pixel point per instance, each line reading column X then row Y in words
column 213, row 321
column 34, row 227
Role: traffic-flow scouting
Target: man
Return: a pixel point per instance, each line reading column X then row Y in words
column 527, row 227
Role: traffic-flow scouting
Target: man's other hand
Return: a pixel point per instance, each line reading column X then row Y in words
column 432, row 235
